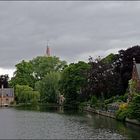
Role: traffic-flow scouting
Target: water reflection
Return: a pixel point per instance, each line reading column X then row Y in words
column 44, row 122
column 125, row 129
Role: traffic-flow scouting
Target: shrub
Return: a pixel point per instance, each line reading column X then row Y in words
column 110, row 100
column 122, row 113
column 34, row 102
column 125, row 97
column 93, row 101
column 82, row 105
column 132, row 86
column 134, row 108
column 25, row 94
column 123, row 106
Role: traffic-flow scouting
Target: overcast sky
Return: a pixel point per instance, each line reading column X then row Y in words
column 76, row 30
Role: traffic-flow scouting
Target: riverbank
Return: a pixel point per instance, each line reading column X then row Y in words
column 110, row 114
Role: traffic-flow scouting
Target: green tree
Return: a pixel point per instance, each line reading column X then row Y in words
column 49, row 87
column 25, row 94
column 28, row 73
column 23, row 74
column 43, row 65
column 110, row 58
column 74, row 79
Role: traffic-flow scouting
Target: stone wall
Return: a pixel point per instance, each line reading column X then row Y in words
column 110, row 114
column 100, row 112
column 6, row 101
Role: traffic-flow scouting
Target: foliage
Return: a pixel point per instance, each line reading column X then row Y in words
column 125, row 97
column 132, row 86
column 122, row 98
column 23, row 74
column 49, row 87
column 83, row 104
column 93, row 101
column 25, row 94
column 104, row 81
column 123, row 106
column 28, row 73
column 109, row 76
column 34, row 101
column 105, row 78
column 131, row 110
column 73, row 83
column 117, row 99
column 110, row 58
column 134, row 108
column 125, row 64
column 121, row 114
column 43, row 65
column 110, row 100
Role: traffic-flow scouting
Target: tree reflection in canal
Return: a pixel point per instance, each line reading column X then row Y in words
column 54, row 123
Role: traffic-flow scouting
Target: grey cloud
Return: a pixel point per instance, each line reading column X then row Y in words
column 75, row 29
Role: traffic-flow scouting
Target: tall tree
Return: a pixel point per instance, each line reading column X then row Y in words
column 43, row 65
column 125, row 63
column 74, row 80
column 23, row 74
column 28, row 73
column 110, row 75
column 104, row 81
column 49, row 87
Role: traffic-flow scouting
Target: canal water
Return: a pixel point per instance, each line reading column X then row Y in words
column 54, row 123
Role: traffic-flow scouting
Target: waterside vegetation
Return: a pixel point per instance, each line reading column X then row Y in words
column 101, row 83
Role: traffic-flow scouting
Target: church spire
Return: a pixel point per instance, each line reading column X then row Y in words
column 47, row 50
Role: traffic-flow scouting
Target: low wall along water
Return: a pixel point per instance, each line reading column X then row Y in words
column 110, row 114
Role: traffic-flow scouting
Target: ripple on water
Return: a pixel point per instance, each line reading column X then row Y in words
column 45, row 125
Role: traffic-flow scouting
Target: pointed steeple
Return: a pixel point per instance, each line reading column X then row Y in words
column 47, row 50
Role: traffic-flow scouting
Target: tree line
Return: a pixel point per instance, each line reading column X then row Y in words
column 49, row 77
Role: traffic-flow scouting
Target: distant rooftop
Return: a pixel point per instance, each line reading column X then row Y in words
column 9, row 92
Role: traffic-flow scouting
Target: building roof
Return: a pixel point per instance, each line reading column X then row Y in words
column 9, row 92
column 138, row 69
